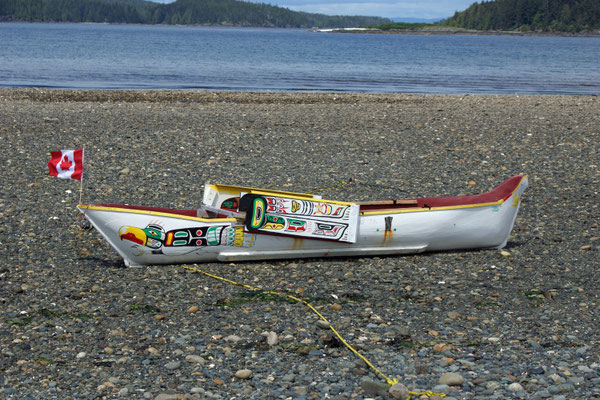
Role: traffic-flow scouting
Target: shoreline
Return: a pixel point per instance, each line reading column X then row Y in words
column 420, row 31
column 209, row 96
column 452, row 32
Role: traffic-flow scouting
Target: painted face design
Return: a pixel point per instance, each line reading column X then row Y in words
column 152, row 236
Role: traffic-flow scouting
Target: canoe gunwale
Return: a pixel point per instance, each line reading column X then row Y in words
column 364, row 210
column 171, row 213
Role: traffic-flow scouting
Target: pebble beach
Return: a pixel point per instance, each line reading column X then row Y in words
column 522, row 322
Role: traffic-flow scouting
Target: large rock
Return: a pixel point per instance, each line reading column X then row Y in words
column 451, row 379
column 399, row 391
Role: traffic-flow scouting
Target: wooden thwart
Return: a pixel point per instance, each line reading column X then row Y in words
column 403, row 202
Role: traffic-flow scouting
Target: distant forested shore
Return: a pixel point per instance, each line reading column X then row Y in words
column 530, row 15
column 524, row 16
column 181, row 12
column 535, row 17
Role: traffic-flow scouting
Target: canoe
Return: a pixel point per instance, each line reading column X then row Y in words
column 237, row 223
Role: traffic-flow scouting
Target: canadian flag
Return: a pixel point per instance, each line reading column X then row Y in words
column 66, row 164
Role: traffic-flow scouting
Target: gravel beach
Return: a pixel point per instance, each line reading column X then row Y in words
column 521, row 323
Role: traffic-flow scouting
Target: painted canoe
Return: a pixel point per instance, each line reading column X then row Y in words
column 237, row 223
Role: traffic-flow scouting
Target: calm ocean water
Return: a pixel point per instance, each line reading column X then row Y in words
column 92, row 56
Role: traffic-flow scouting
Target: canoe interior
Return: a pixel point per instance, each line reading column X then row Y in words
column 500, row 193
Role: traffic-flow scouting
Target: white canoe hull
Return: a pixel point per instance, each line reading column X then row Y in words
column 380, row 232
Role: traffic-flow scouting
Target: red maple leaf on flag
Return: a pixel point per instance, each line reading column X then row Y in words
column 65, row 163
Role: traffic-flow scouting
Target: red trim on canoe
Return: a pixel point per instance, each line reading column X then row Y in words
column 502, row 192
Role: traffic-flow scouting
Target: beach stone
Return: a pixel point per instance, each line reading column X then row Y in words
column 584, row 368
column 323, row 324
column 373, row 388
column 454, row 315
column 557, row 378
column 182, row 340
column 233, row 338
column 492, row 385
column 541, row 394
column 441, row 388
column 537, row 371
column 441, row 347
column 566, row 387
column 243, row 374
column 152, row 350
column 103, row 386
column 195, row 359
column 451, row 379
column 300, row 390
column 173, row 365
column 272, row 339
column 399, row 391
column 553, row 389
column 515, row 387
column 166, row 396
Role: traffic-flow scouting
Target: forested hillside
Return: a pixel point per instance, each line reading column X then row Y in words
column 196, row 12
column 530, row 15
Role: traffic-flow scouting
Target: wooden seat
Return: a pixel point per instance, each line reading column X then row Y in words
column 403, row 202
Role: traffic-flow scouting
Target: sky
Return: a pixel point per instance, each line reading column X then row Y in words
column 422, row 9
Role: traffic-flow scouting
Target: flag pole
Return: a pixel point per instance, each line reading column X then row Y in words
column 81, row 181
column 81, row 190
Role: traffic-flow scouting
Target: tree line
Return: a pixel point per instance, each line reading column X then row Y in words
column 530, row 15
column 182, row 12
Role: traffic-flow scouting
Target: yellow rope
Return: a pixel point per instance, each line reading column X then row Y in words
column 390, row 382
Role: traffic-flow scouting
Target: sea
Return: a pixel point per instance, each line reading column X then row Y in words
column 108, row 56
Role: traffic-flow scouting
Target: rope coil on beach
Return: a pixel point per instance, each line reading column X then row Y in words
column 389, row 381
